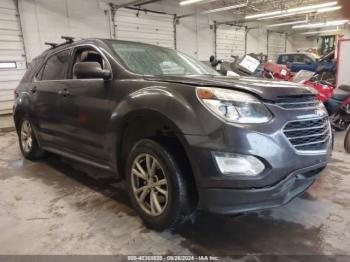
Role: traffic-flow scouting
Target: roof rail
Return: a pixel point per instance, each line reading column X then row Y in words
column 53, row 45
column 68, row 39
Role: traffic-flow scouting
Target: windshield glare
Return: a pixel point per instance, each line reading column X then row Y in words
column 153, row 60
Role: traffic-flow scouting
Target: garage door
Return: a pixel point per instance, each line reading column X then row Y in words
column 276, row 45
column 145, row 27
column 230, row 40
column 12, row 59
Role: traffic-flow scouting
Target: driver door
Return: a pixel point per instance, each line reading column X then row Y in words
column 85, row 108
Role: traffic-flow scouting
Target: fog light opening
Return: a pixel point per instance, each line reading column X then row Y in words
column 237, row 164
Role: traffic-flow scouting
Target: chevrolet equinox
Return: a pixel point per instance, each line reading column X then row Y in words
column 182, row 137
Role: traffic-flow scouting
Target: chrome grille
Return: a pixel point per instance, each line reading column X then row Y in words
column 299, row 102
column 308, row 135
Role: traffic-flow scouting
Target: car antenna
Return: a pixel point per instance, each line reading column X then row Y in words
column 53, row 45
column 68, row 39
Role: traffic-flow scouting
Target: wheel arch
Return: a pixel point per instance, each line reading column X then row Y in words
column 151, row 124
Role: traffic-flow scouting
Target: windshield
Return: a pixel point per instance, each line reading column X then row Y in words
column 153, row 60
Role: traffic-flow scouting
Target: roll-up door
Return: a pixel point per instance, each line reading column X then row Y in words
column 12, row 56
column 145, row 27
column 230, row 41
column 276, row 45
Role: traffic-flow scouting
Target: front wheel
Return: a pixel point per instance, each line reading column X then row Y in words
column 155, row 185
column 27, row 141
column 347, row 141
column 338, row 122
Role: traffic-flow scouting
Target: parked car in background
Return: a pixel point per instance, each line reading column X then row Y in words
column 306, row 61
column 181, row 136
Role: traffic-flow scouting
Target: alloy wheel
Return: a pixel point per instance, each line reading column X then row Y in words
column 26, row 136
column 149, row 184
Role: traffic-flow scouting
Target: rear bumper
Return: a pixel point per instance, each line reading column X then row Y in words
column 231, row 201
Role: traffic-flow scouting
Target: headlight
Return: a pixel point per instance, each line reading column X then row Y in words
column 233, row 106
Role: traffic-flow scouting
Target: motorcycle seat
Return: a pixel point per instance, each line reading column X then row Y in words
column 340, row 94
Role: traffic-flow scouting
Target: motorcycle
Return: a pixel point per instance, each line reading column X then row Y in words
column 338, row 107
column 276, row 71
column 310, row 79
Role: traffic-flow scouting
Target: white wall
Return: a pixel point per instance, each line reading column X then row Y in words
column 47, row 20
column 302, row 43
column 257, row 40
column 195, row 37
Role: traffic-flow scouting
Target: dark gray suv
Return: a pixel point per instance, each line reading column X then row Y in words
column 182, row 137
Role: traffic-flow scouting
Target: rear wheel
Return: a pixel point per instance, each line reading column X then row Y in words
column 155, row 185
column 27, row 141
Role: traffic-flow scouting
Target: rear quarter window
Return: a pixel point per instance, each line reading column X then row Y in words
column 32, row 68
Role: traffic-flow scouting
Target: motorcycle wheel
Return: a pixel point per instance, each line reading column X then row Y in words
column 338, row 122
column 347, row 141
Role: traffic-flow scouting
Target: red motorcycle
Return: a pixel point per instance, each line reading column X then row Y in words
column 338, row 107
column 310, row 79
column 276, row 71
column 307, row 78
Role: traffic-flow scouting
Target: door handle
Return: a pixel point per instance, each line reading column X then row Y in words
column 33, row 89
column 64, row 92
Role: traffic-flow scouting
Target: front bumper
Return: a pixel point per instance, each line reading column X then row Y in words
column 231, row 201
column 288, row 172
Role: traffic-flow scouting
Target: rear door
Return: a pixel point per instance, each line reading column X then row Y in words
column 44, row 92
column 84, row 108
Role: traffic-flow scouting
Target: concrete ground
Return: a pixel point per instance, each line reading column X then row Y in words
column 6, row 123
column 50, row 207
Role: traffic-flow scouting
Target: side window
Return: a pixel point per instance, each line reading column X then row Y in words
column 39, row 75
column 56, row 65
column 284, row 59
column 307, row 60
column 298, row 58
column 87, row 54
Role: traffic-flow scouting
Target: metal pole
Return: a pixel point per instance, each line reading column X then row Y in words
column 267, row 43
column 174, row 23
column 112, row 13
column 246, row 40
column 215, row 35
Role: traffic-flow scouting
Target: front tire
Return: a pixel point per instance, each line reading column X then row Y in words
column 155, row 185
column 27, row 141
column 338, row 122
column 347, row 141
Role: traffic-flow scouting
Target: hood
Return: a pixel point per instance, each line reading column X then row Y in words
column 265, row 89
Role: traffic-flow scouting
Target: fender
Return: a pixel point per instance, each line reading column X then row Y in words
column 171, row 105
column 157, row 102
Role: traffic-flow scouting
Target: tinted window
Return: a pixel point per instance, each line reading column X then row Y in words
column 307, row 60
column 299, row 58
column 56, row 65
column 284, row 59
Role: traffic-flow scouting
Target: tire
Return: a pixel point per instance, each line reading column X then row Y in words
column 338, row 123
column 169, row 200
column 27, row 141
column 347, row 141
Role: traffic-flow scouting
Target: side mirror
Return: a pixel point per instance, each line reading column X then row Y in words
column 90, row 70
